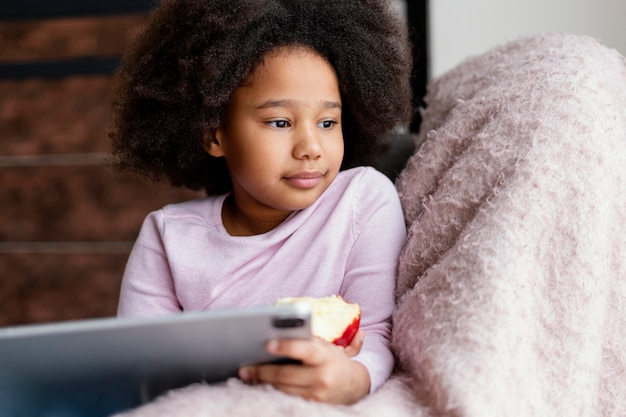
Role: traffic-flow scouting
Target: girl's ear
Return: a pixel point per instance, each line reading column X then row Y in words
column 212, row 143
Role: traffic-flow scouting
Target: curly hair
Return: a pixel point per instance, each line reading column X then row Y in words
column 175, row 82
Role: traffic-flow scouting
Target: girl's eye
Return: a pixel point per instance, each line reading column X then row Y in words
column 327, row 124
column 279, row 124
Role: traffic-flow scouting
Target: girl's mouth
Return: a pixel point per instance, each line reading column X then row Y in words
column 308, row 179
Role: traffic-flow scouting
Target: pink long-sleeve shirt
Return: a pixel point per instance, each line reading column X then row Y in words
column 348, row 242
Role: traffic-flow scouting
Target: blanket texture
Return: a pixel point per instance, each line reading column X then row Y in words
column 512, row 285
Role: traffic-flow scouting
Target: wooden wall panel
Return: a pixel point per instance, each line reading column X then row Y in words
column 57, row 286
column 67, row 220
column 68, row 37
column 77, row 203
column 39, row 117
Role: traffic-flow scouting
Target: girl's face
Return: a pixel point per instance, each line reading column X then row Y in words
column 282, row 139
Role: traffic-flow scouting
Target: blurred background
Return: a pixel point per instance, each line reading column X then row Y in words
column 459, row 29
column 67, row 221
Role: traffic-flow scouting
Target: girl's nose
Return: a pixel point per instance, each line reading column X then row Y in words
column 307, row 144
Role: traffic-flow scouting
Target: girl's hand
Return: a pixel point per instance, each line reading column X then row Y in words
column 326, row 374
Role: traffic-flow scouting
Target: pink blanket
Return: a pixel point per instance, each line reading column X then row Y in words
column 512, row 285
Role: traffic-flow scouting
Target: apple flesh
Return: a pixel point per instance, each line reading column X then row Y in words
column 332, row 318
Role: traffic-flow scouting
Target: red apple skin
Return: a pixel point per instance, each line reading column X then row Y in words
column 346, row 338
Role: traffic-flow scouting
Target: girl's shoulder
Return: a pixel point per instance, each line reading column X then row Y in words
column 202, row 210
column 365, row 179
column 357, row 192
column 362, row 197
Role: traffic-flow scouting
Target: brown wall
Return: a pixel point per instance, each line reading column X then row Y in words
column 67, row 221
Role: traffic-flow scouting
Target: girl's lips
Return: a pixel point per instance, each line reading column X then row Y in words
column 305, row 179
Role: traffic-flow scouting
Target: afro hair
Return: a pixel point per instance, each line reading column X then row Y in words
column 175, row 81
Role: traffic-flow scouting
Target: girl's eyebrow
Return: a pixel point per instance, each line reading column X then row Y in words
column 292, row 103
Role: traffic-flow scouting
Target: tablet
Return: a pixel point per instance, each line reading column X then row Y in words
column 145, row 356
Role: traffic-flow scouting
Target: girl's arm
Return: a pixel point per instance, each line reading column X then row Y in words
column 371, row 269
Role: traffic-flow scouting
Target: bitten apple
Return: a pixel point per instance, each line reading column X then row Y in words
column 332, row 318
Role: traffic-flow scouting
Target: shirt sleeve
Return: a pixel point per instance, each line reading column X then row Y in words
column 380, row 235
column 147, row 286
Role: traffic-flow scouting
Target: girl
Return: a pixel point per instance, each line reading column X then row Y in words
column 271, row 107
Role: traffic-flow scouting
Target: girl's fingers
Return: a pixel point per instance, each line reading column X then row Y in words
column 277, row 375
column 310, row 352
column 355, row 346
column 303, row 381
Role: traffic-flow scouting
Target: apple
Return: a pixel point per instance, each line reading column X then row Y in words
column 332, row 318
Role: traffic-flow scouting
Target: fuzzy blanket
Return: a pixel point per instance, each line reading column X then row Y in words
column 512, row 285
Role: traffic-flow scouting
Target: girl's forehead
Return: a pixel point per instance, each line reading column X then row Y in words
column 293, row 54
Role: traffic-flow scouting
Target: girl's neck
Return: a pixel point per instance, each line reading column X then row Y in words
column 239, row 222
